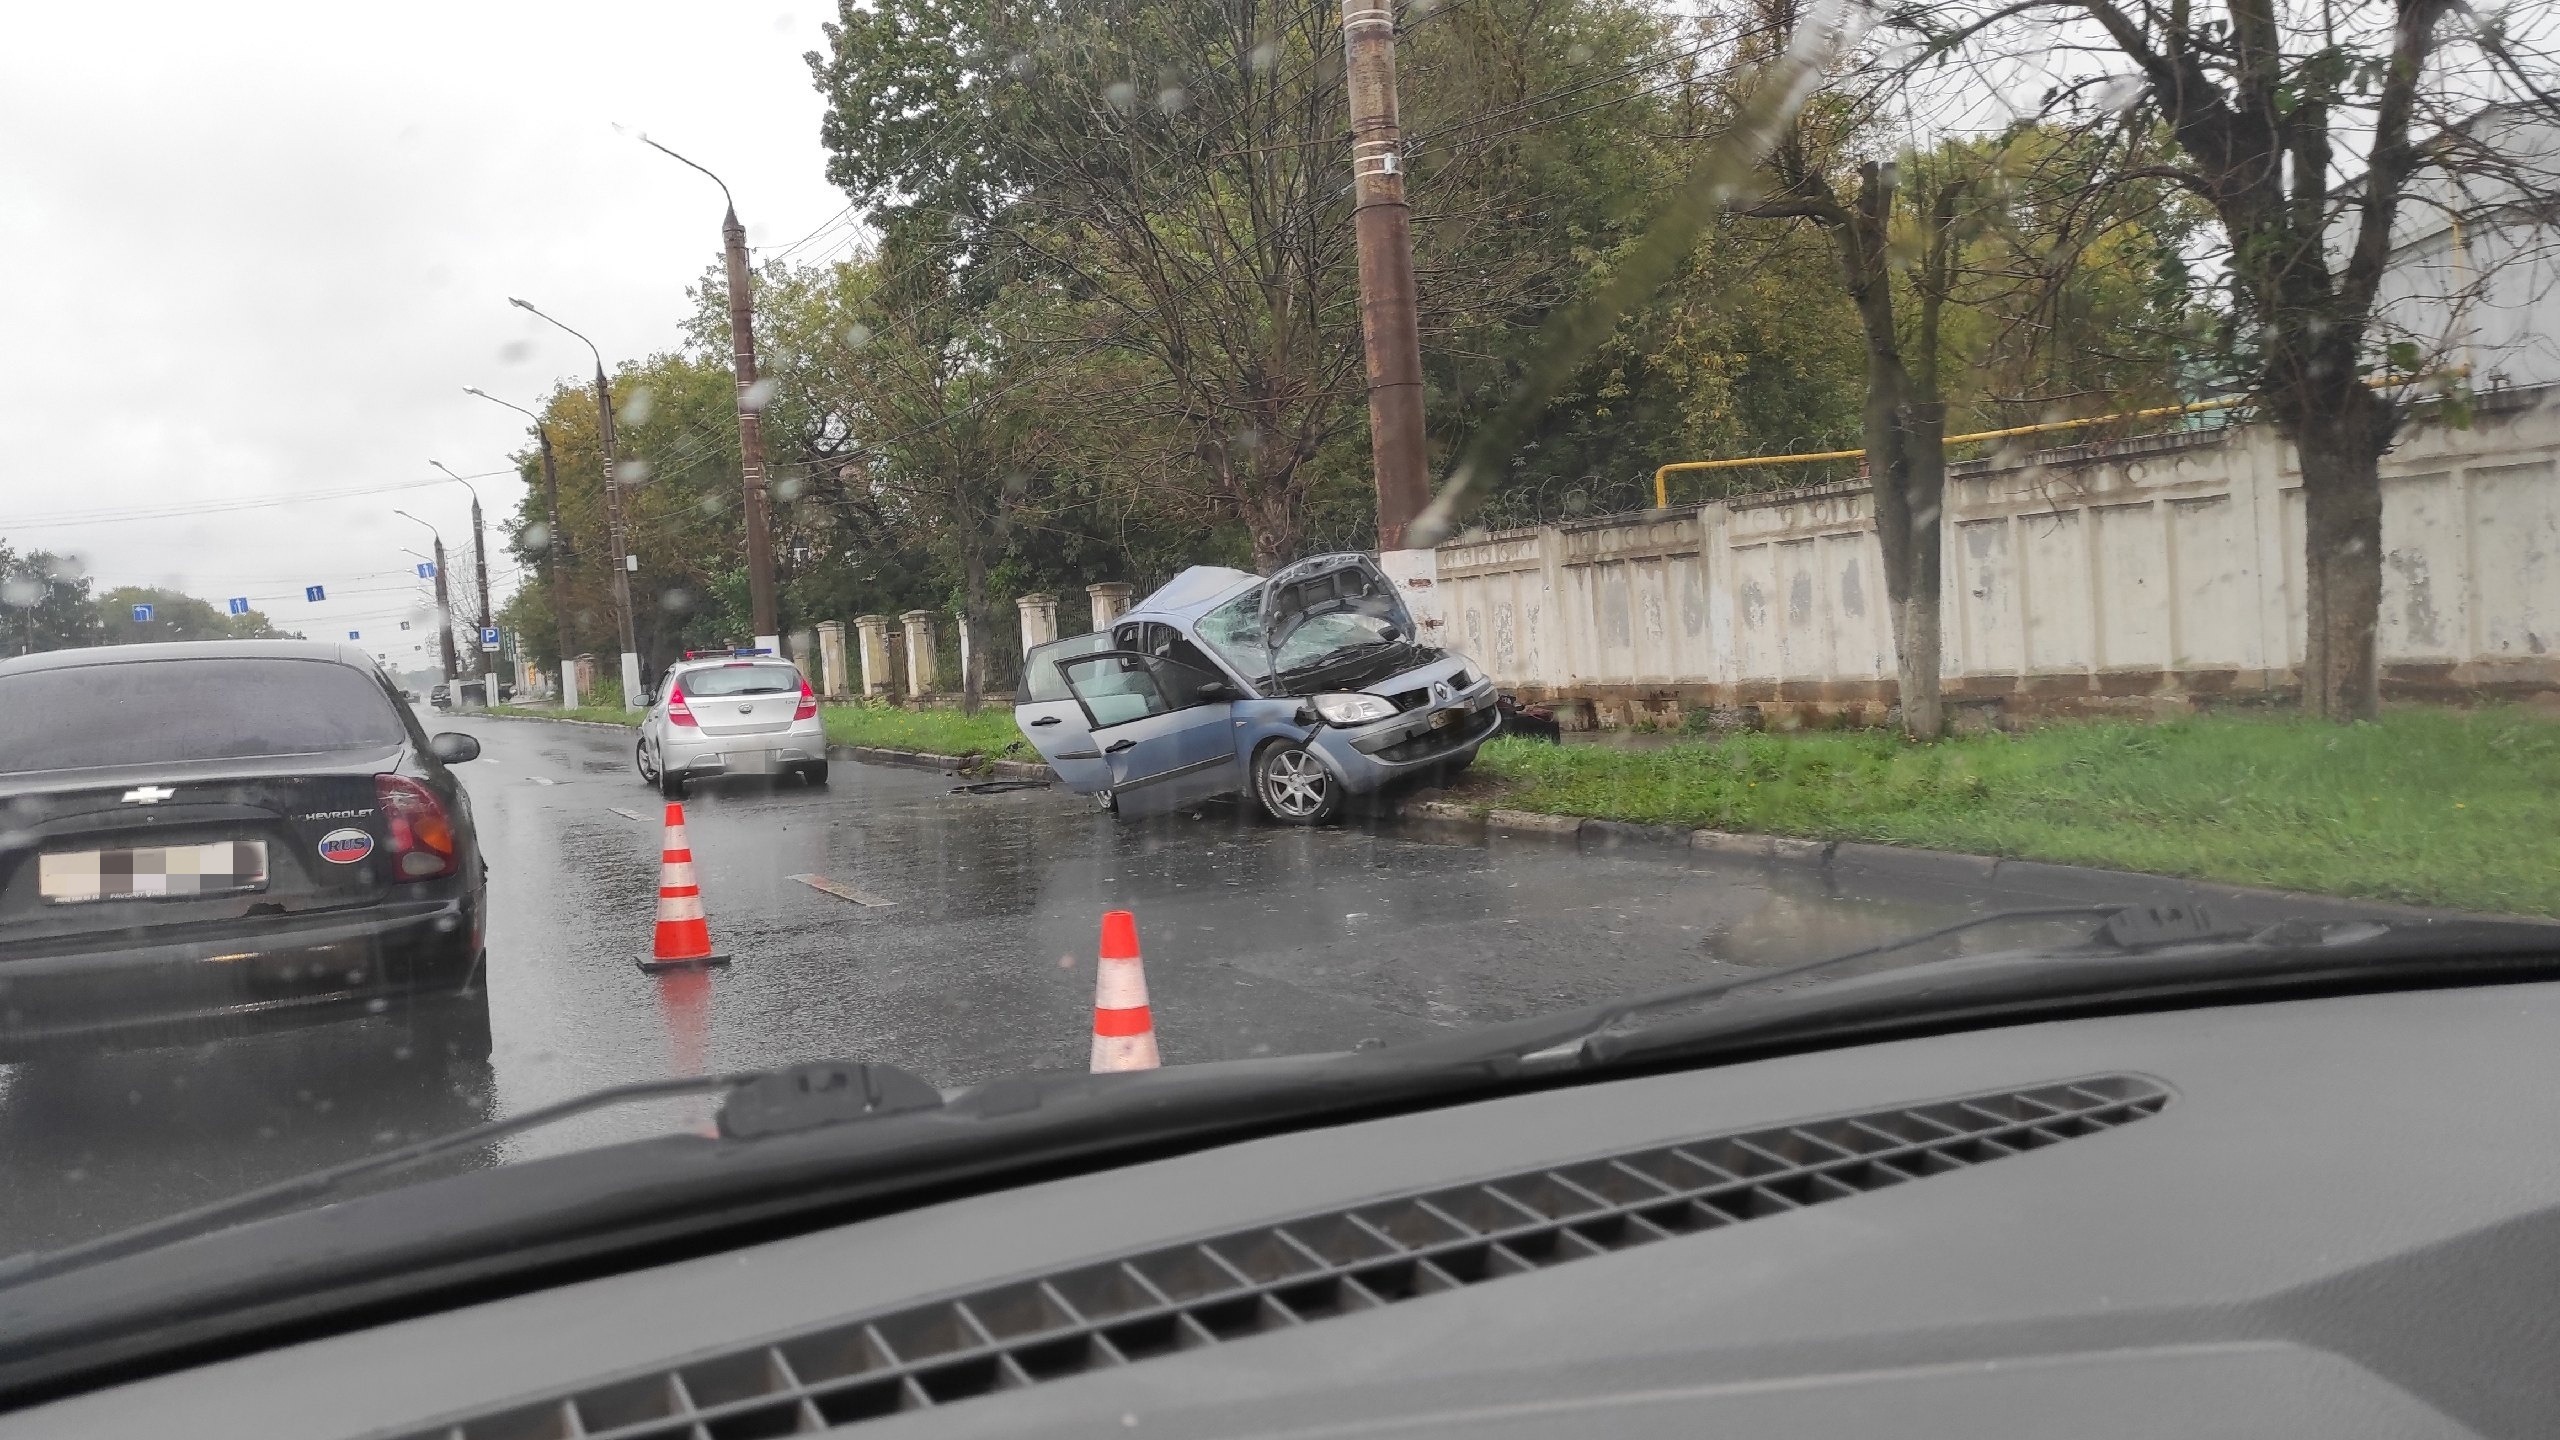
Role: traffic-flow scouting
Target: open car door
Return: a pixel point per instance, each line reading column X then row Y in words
column 1162, row 726
column 1049, row 713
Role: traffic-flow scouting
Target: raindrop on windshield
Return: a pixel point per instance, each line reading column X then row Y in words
column 536, row 537
column 23, row 593
column 1120, row 95
column 637, row 405
column 787, row 488
column 514, row 352
column 631, row 470
column 756, row 396
column 857, row 335
column 1577, row 54
column 708, row 504
column 675, row 600
column 1171, row 99
column 1264, row 56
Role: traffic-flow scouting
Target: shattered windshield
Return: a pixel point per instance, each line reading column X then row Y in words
column 1838, row 471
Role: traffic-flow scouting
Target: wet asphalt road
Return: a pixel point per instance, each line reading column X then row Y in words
column 968, row 955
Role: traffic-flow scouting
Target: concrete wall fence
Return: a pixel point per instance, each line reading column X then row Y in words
column 2146, row 576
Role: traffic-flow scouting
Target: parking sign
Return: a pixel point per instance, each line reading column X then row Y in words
column 488, row 637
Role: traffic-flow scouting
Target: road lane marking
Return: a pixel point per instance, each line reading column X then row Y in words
column 542, row 780
column 842, row 892
column 626, row 814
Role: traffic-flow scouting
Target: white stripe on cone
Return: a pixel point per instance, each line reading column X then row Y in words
column 676, row 873
column 675, row 839
column 1122, row 985
column 681, row 907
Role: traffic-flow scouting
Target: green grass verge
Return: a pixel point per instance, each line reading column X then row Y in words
column 609, row 714
column 2426, row 806
column 990, row 733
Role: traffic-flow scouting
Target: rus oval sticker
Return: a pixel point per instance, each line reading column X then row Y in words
column 345, row 847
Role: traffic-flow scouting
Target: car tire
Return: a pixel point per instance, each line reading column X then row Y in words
column 814, row 773
column 671, row 785
column 1293, row 787
column 640, row 762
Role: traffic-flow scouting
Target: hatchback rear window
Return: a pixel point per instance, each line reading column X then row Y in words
column 149, row 712
column 741, row 679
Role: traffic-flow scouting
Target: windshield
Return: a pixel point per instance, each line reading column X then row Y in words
column 158, row 712
column 1733, row 483
column 741, row 679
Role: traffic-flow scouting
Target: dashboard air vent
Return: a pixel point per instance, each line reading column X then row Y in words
column 1225, row 1287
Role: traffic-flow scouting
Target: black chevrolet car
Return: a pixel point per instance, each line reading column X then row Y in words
column 202, row 839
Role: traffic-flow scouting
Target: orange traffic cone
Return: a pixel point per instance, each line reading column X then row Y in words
column 1124, row 1032
column 684, row 935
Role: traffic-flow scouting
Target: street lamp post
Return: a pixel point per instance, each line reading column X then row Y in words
column 480, row 566
column 444, row 605
column 554, row 553
column 742, row 359
column 622, row 562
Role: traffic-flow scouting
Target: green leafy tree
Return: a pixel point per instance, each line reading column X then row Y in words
column 176, row 615
column 44, row 603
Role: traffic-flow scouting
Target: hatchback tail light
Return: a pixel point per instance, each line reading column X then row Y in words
column 808, row 702
column 678, row 712
column 422, row 845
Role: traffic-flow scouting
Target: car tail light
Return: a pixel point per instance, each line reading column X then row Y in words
column 808, row 702
column 421, row 832
column 678, row 712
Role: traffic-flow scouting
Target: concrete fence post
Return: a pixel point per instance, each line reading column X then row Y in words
column 873, row 633
column 1110, row 601
column 831, row 658
column 1039, row 620
column 920, row 676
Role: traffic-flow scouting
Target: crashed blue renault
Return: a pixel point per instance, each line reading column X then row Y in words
column 1299, row 691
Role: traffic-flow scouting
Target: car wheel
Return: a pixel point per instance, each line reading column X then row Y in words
column 640, row 761
column 671, row 785
column 1108, row 800
column 1293, row 786
column 814, row 773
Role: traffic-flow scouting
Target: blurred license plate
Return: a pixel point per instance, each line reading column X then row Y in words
column 748, row 762
column 1444, row 719
column 152, row 872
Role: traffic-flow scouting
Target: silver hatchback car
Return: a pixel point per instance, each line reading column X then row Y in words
column 743, row 712
column 1298, row 691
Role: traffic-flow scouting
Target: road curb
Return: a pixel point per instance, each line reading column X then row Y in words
column 563, row 720
column 1907, row 864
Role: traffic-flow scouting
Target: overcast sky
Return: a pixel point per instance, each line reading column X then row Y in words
column 256, row 250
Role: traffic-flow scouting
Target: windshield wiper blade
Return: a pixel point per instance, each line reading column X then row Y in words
column 2121, row 925
column 757, row 1102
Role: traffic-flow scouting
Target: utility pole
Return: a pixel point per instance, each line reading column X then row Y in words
column 556, row 552
column 444, row 604
column 1382, row 225
column 632, row 699
column 742, row 359
column 480, row 569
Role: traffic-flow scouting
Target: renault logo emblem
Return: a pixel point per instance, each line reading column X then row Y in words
column 1440, row 692
column 147, row 795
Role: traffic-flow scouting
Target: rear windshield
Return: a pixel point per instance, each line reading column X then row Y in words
column 148, row 712
column 741, row 679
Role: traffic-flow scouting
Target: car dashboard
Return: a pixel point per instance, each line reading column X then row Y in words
column 2330, row 1217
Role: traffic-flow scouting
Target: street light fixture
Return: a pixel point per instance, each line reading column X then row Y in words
column 444, row 607
column 553, row 553
column 742, row 359
column 631, row 699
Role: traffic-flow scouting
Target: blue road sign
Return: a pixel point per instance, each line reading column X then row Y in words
column 488, row 637
column 239, row 604
column 315, row 593
column 426, row 569
column 141, row 614
column 355, row 634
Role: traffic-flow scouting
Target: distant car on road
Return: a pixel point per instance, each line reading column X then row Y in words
column 441, row 697
column 211, row 837
column 1300, row 690
column 732, row 712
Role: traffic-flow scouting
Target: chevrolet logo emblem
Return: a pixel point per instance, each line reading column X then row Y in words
column 147, row 794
